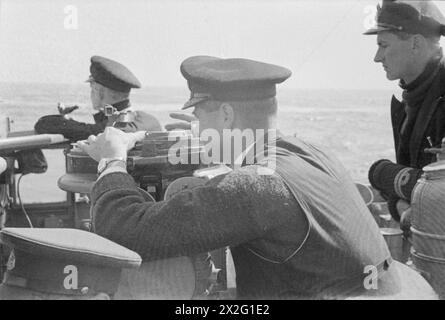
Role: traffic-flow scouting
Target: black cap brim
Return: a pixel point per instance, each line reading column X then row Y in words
column 193, row 102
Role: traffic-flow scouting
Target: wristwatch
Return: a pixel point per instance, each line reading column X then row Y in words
column 105, row 162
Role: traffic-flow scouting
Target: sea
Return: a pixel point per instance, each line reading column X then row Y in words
column 353, row 124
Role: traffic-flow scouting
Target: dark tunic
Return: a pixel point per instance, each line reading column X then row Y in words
column 75, row 130
column 421, row 114
column 426, row 105
column 303, row 231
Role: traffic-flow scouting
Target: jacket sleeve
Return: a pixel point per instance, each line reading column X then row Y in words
column 70, row 129
column 227, row 211
column 394, row 181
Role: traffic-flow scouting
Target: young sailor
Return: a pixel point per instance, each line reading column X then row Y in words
column 408, row 34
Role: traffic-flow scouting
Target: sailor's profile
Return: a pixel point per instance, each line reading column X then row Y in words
column 408, row 38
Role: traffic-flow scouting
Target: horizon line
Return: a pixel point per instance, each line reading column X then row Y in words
column 185, row 87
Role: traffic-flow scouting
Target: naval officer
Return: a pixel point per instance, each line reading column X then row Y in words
column 111, row 84
column 408, row 34
column 295, row 223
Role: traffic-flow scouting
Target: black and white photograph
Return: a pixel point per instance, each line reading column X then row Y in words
column 222, row 155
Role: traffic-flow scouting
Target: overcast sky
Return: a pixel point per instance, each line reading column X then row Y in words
column 321, row 41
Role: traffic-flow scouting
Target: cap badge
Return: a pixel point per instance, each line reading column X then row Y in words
column 198, row 95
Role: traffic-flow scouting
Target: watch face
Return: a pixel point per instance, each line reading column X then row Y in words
column 109, row 110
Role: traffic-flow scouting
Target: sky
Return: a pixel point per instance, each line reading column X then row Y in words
column 321, row 41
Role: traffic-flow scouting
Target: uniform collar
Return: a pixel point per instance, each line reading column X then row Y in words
column 430, row 68
column 122, row 105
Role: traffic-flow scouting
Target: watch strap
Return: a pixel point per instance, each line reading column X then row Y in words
column 108, row 162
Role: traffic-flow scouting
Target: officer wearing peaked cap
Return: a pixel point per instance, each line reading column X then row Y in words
column 59, row 264
column 408, row 34
column 410, row 16
column 293, row 219
column 210, row 78
column 111, row 83
column 112, row 74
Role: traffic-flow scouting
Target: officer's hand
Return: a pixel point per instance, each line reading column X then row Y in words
column 439, row 152
column 112, row 143
column 66, row 110
column 404, row 210
column 402, row 206
column 185, row 123
column 405, row 222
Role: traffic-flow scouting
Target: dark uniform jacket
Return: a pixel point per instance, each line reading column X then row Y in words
column 430, row 122
column 301, row 232
column 75, row 130
column 397, row 181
